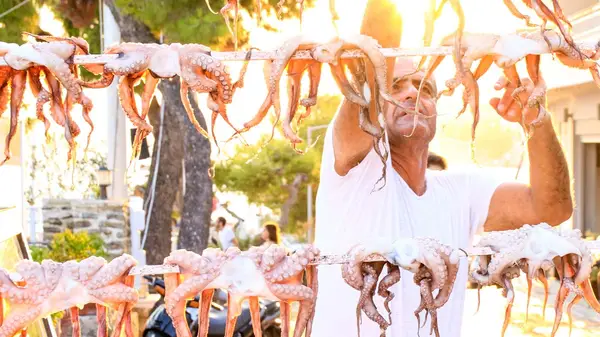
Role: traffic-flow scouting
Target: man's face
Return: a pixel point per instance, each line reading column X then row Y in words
column 400, row 124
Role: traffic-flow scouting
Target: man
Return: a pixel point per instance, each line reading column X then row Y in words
column 436, row 162
column 415, row 202
column 226, row 234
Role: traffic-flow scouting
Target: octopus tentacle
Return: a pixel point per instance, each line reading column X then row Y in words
column 546, row 14
column 392, row 277
column 127, row 98
column 295, row 70
column 57, row 109
column 229, row 6
column 371, row 47
column 150, row 85
column 255, row 316
column 542, row 278
column 5, row 74
column 102, row 330
column 285, row 318
column 312, row 279
column 205, row 302
column 42, row 96
column 371, row 273
column 451, row 263
column 267, row 103
column 190, row 111
column 576, row 299
column 511, row 297
column 106, row 80
column 112, row 271
column 18, row 83
column 295, row 292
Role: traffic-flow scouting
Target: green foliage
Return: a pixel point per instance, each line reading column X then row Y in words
column 68, row 246
column 191, row 21
column 261, row 174
column 24, row 18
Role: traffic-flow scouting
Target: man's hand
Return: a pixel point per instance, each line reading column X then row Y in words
column 508, row 108
column 548, row 197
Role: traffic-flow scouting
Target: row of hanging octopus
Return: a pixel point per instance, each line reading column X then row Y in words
column 48, row 65
column 35, row 290
column 532, row 250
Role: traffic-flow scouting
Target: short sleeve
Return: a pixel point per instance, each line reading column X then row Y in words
column 482, row 185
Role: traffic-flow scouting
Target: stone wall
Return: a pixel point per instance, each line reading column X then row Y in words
column 105, row 217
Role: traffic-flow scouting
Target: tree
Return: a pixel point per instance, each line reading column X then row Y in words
column 142, row 21
column 183, row 22
column 274, row 175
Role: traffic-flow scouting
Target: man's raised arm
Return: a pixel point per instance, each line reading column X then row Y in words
column 351, row 144
column 548, row 197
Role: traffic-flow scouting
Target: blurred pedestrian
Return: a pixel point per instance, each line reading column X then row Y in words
column 436, row 162
column 226, row 235
column 271, row 234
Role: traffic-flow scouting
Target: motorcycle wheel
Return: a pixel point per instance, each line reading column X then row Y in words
column 272, row 331
column 155, row 333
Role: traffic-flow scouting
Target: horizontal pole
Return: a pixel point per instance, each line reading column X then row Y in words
column 258, row 55
column 321, row 260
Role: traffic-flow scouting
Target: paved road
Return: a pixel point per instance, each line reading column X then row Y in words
column 489, row 319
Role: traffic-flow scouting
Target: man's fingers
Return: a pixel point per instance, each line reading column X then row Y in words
column 513, row 114
column 501, row 83
column 527, row 82
column 506, row 102
column 494, row 103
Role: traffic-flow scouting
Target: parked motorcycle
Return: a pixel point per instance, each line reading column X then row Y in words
column 159, row 323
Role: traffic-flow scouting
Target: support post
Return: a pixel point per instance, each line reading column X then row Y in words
column 117, row 138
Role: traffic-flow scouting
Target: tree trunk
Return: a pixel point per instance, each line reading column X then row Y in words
column 293, row 189
column 197, row 200
column 158, row 242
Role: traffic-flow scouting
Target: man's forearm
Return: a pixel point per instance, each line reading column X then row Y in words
column 549, row 175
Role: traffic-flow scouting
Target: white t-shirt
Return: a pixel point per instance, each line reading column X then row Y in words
column 453, row 210
column 226, row 237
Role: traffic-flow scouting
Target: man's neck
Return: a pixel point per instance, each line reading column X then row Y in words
column 411, row 164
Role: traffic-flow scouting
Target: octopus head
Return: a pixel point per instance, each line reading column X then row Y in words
column 406, row 253
column 327, row 53
column 544, row 244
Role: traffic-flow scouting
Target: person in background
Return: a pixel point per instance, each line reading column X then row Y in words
column 271, row 234
column 226, row 235
column 139, row 191
column 436, row 162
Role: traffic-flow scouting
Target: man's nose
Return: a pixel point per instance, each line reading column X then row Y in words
column 410, row 92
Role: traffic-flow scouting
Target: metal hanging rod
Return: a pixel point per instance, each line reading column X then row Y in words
column 271, row 55
column 321, row 260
